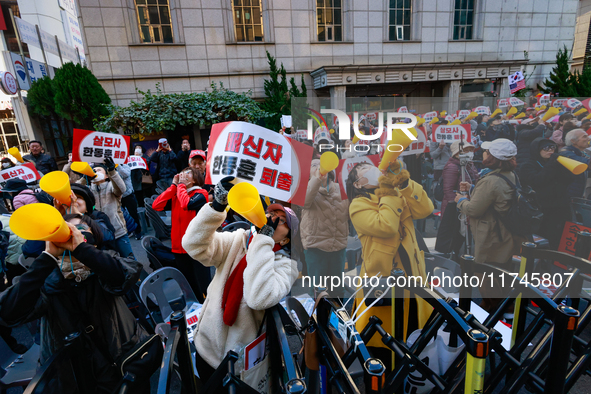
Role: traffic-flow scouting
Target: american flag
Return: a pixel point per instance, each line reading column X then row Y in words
column 516, row 82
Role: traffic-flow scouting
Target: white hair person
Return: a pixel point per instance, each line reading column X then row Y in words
column 573, row 136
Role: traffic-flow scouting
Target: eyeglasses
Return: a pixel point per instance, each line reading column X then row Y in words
column 549, row 148
column 281, row 218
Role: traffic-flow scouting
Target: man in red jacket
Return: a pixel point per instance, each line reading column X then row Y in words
column 187, row 197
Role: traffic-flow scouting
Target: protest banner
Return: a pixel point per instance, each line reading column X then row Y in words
column 402, row 110
column 451, row 133
column 417, row 147
column 346, row 165
column 26, row 171
column 573, row 103
column 481, row 110
column 94, row 146
column 515, row 102
column 544, row 99
column 371, row 115
column 569, row 239
column 502, row 103
column 429, row 116
column 461, row 114
column 558, row 103
column 136, row 163
column 278, row 167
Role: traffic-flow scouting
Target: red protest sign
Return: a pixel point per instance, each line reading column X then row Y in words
column 451, row 133
column 277, row 166
column 503, row 103
column 26, row 171
column 94, row 146
column 569, row 237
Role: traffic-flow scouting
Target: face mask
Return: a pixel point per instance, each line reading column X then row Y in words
column 99, row 177
column 138, row 152
column 470, row 155
column 5, row 165
column 372, row 176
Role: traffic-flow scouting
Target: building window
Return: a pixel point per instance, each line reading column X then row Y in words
column 154, row 21
column 463, row 19
column 400, row 15
column 248, row 19
column 329, row 20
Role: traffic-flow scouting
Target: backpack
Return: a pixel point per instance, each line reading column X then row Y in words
column 523, row 217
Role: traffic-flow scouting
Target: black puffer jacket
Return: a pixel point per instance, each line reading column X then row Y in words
column 67, row 306
column 548, row 178
column 44, row 163
column 525, row 135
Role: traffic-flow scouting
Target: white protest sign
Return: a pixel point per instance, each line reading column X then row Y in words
column 430, row 115
column 558, row 103
column 26, row 171
column 573, row 103
column 286, row 121
column 403, row 110
column 451, row 133
column 482, row 110
column 277, row 166
column 544, row 99
column 418, row 146
column 94, row 146
column 515, row 102
column 136, row 163
column 461, row 114
column 503, row 103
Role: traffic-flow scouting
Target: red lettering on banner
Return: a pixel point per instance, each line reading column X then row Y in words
column 268, row 176
column 5, row 176
column 233, row 143
column 98, row 141
column 284, row 181
column 117, row 144
column 249, row 144
column 273, row 152
column 108, row 142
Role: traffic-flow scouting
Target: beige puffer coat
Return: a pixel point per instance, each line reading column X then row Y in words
column 325, row 217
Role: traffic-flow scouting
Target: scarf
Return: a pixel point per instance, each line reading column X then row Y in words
column 234, row 290
column 74, row 269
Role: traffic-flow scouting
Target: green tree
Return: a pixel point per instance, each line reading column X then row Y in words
column 583, row 82
column 561, row 80
column 279, row 94
column 155, row 113
column 79, row 96
column 41, row 97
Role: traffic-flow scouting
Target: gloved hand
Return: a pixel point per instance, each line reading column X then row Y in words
column 109, row 163
column 269, row 228
column 220, row 193
column 394, row 178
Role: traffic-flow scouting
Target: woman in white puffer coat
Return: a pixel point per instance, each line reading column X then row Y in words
column 254, row 271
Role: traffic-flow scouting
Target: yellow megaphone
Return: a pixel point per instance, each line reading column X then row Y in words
column 434, row 120
column 521, row 115
column 420, row 121
column 82, row 167
column 328, row 162
column 579, row 112
column 471, row 116
column 245, row 200
column 16, row 154
column 331, row 131
column 399, row 138
column 543, row 107
column 552, row 112
column 57, row 185
column 355, row 138
column 39, row 222
column 512, row 111
column 496, row 112
column 457, row 121
column 588, row 116
column 537, row 109
column 443, row 113
column 576, row 167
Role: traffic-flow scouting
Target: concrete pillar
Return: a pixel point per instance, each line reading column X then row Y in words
column 452, row 93
column 338, row 95
column 504, row 90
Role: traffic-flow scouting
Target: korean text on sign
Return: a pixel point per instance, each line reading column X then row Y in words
column 95, row 147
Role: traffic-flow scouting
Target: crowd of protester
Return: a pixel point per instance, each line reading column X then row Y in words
column 81, row 283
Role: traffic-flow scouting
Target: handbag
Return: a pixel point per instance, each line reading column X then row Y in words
column 147, row 178
column 311, row 343
column 144, row 359
column 259, row 376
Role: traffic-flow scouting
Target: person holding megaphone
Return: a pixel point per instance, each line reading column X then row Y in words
column 577, row 141
column 254, row 271
column 550, row 180
column 382, row 207
column 74, row 287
